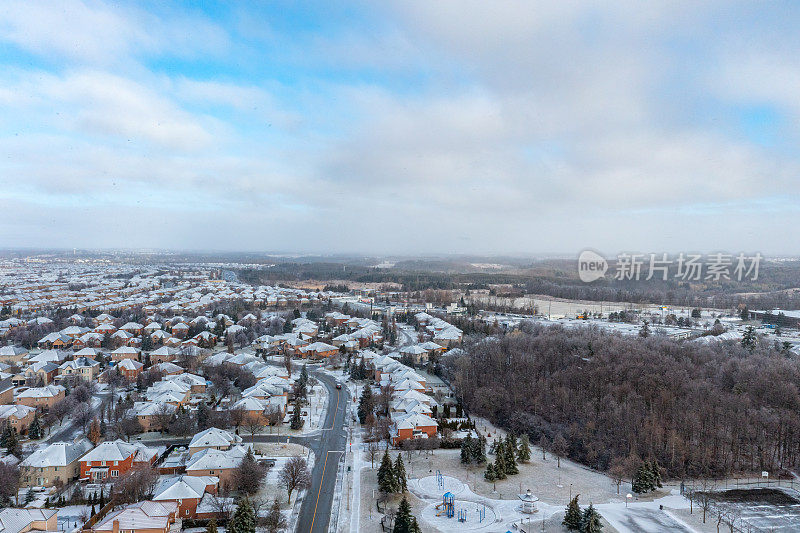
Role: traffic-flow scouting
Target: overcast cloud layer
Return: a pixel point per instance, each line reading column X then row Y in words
column 408, row 127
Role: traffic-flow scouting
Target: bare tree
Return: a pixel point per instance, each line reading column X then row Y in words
column 253, row 424
column 163, row 416
column 372, row 450
column 9, row 481
column 127, row 427
column 83, row 416
column 618, row 472
column 544, row 445
column 62, row 408
column 136, row 485
column 287, row 363
column 273, row 415
column 559, row 448
column 222, row 503
column 274, row 521
column 237, row 414
column 295, row 475
column 704, row 496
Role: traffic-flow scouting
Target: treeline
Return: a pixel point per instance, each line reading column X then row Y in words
column 698, row 410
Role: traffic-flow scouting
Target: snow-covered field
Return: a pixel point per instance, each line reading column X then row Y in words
column 646, row 517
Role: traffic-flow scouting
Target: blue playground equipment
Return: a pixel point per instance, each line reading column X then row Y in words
column 446, row 506
column 462, row 515
column 481, row 513
column 439, row 479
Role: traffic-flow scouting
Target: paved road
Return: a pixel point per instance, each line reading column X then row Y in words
column 328, row 446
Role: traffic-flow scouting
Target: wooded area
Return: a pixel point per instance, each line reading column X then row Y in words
column 699, row 410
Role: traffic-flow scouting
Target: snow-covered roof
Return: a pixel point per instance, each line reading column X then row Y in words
column 214, row 437
column 183, row 487
column 57, row 454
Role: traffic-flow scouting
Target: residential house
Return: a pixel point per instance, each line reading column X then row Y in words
column 111, row 459
column 130, row 369
column 83, row 367
column 413, row 426
column 125, row 352
column 55, row 464
column 23, row 520
column 41, row 397
column 213, row 438
column 142, row 517
column 219, row 463
column 12, row 354
column 319, row 350
column 18, row 417
column 185, row 491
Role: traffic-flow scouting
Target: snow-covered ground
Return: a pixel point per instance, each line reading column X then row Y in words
column 646, row 517
column 71, row 517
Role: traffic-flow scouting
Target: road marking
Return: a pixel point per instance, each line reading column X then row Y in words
column 322, row 478
column 314, row 516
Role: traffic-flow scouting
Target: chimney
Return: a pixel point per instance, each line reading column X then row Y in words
column 115, row 526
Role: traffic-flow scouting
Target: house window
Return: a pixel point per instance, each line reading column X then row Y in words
column 114, row 473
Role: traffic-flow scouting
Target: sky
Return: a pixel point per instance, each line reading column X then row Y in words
column 409, row 127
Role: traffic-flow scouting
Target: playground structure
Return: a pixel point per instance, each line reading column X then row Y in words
column 446, row 507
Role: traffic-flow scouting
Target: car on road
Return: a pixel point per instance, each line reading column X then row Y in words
column 339, row 386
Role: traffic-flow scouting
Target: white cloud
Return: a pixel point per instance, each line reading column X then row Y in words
column 94, row 32
column 487, row 127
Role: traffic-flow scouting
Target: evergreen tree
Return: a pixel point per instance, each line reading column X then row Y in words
column 244, row 518
column 643, row 480
column 524, row 450
column 573, row 518
column 510, row 455
column 489, row 475
column 590, row 522
column 645, row 330
column 297, row 421
column 403, row 521
column 749, row 339
column 366, row 404
column 202, row 416
column 479, row 452
column 212, row 526
column 35, row 429
column 12, row 443
column 655, row 471
column 500, row 461
column 400, row 474
column 466, row 450
column 5, row 435
column 29, row 497
column 304, row 375
column 386, row 477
